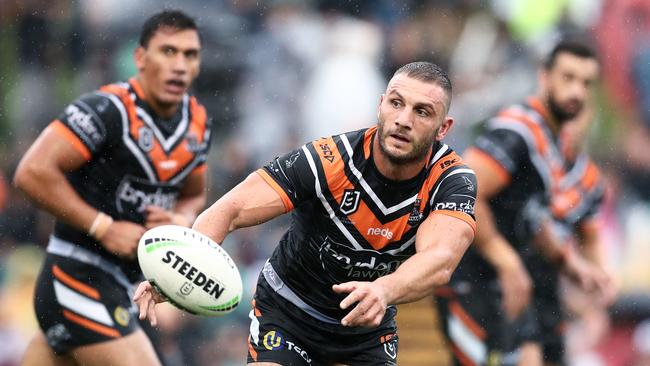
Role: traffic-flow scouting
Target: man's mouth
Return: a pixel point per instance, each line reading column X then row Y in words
column 176, row 86
column 400, row 137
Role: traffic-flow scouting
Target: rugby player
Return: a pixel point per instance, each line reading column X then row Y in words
column 519, row 164
column 119, row 160
column 570, row 225
column 380, row 216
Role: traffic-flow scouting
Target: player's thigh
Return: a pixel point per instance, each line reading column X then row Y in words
column 472, row 323
column 133, row 349
column 78, row 305
column 39, row 353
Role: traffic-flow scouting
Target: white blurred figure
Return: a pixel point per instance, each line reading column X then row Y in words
column 341, row 93
column 278, row 62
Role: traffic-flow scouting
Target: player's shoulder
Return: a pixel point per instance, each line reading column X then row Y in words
column 447, row 162
column 93, row 105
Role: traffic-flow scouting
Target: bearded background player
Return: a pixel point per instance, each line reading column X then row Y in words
column 519, row 165
column 127, row 157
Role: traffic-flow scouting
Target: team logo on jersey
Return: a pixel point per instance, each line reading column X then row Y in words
column 273, row 340
column 193, row 144
column 416, row 216
column 145, row 139
column 350, row 201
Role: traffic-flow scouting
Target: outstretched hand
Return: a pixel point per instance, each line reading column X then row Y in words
column 147, row 297
column 370, row 299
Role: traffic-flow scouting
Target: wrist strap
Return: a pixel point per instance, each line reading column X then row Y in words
column 100, row 225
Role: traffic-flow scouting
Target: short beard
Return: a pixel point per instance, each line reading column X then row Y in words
column 419, row 151
column 558, row 113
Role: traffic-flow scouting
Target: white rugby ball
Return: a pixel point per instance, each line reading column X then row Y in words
column 192, row 271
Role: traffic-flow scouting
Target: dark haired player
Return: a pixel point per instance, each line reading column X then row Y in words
column 520, row 166
column 127, row 157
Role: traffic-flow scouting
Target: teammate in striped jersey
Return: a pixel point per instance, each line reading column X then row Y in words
column 380, row 217
column 519, row 165
column 570, row 227
column 124, row 158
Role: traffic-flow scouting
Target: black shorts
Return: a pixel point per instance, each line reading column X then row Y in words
column 78, row 304
column 548, row 310
column 477, row 329
column 283, row 333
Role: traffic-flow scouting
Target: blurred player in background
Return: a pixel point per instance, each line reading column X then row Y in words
column 127, row 157
column 570, row 225
column 380, row 217
column 519, row 165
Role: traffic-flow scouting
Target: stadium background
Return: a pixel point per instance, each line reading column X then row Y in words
column 277, row 73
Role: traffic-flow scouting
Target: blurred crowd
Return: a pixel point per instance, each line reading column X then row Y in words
column 277, row 73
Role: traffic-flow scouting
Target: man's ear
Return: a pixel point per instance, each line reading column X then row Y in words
column 444, row 128
column 138, row 57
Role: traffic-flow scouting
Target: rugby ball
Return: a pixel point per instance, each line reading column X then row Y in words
column 190, row 270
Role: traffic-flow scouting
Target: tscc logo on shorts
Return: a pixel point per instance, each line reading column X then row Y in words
column 273, row 340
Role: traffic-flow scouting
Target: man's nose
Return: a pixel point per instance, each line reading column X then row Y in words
column 180, row 64
column 405, row 117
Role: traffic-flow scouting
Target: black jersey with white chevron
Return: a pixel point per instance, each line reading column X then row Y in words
column 351, row 223
column 134, row 157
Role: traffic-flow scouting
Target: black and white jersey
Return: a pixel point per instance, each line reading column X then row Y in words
column 350, row 223
column 135, row 158
column 520, row 146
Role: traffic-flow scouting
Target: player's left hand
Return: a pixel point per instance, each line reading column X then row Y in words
column 370, row 300
column 156, row 216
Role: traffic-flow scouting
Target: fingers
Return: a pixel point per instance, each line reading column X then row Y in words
column 141, row 289
column 369, row 309
column 353, row 297
column 344, row 287
column 143, row 304
column 152, row 313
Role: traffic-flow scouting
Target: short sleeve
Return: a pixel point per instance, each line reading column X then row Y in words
column 291, row 176
column 87, row 123
column 504, row 147
column 455, row 195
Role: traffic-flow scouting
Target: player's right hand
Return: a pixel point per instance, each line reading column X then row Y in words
column 516, row 288
column 122, row 238
column 147, row 297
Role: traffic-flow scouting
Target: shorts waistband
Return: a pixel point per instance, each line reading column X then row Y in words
column 70, row 250
column 276, row 283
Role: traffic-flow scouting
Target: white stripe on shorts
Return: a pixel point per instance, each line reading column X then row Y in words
column 82, row 305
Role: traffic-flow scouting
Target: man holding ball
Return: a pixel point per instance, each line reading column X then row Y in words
column 380, row 217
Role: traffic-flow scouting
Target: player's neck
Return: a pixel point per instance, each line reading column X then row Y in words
column 163, row 110
column 396, row 171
